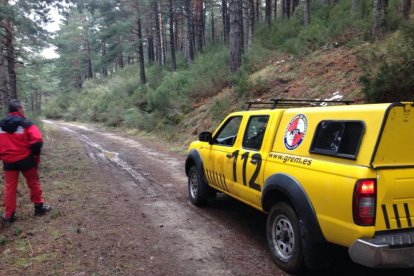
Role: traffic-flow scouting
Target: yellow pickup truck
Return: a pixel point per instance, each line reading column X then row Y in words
column 340, row 174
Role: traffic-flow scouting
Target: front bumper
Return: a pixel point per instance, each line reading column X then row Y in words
column 386, row 249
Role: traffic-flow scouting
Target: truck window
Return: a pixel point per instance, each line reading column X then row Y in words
column 228, row 133
column 256, row 127
column 338, row 138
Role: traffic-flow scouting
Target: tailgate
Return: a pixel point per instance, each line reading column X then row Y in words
column 395, row 145
column 395, row 201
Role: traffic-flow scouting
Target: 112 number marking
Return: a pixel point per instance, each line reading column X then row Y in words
column 256, row 159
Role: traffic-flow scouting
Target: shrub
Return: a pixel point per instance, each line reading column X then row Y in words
column 219, row 108
column 241, row 82
column 256, row 58
column 203, row 78
column 328, row 24
column 59, row 105
column 393, row 78
column 52, row 111
column 392, row 82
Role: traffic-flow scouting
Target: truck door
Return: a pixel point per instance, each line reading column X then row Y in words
column 219, row 156
column 248, row 174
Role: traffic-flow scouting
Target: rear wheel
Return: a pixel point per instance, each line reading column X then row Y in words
column 198, row 190
column 283, row 237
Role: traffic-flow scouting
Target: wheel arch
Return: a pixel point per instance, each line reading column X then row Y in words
column 194, row 158
column 282, row 187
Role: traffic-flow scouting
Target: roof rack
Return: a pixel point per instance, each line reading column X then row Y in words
column 285, row 103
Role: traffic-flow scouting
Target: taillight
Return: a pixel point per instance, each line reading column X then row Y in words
column 364, row 204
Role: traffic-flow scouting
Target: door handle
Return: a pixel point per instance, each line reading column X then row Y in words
column 254, row 161
column 229, row 155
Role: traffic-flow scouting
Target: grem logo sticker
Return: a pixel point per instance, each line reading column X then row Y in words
column 295, row 131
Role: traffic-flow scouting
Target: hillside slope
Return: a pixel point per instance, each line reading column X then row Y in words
column 331, row 73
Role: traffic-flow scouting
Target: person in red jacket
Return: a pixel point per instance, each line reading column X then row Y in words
column 20, row 146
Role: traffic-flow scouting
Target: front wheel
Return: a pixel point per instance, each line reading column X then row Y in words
column 283, row 238
column 197, row 189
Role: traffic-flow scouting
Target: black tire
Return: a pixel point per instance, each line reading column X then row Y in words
column 284, row 239
column 198, row 190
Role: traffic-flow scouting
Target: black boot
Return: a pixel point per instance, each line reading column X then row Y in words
column 41, row 209
column 6, row 221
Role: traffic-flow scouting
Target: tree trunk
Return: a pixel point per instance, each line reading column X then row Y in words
column 11, row 60
column 86, row 47
column 189, row 54
column 3, row 80
column 36, row 101
column 285, row 8
column 379, row 15
column 250, row 23
column 88, row 57
column 356, row 7
column 204, row 18
column 288, row 5
column 224, row 15
column 268, row 12
column 32, row 102
column 141, row 52
column 242, row 26
column 258, row 14
column 151, row 54
column 161, row 32
column 275, row 9
column 199, row 25
column 306, row 13
column 104, row 67
column 405, row 9
column 120, row 53
column 193, row 30
column 213, row 31
column 236, row 41
column 78, row 81
column 178, row 31
column 156, row 32
column 294, row 4
column 172, row 40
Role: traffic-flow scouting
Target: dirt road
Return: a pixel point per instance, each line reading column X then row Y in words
column 154, row 229
column 122, row 209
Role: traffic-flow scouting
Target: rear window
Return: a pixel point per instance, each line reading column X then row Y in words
column 338, row 138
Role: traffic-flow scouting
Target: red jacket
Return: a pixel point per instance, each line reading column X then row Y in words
column 19, row 138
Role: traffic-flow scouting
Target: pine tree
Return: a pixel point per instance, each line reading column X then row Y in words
column 236, row 35
column 20, row 21
column 306, row 12
column 189, row 52
column 406, row 8
column 172, row 40
column 379, row 7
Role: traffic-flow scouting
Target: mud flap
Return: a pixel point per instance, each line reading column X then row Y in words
column 316, row 254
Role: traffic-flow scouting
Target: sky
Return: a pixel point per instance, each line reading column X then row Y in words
column 50, row 52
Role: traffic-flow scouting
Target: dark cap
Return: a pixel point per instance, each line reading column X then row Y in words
column 14, row 105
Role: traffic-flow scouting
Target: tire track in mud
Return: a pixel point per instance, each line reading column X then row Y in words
column 104, row 155
column 198, row 247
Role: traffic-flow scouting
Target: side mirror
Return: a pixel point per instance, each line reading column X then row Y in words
column 205, row 136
